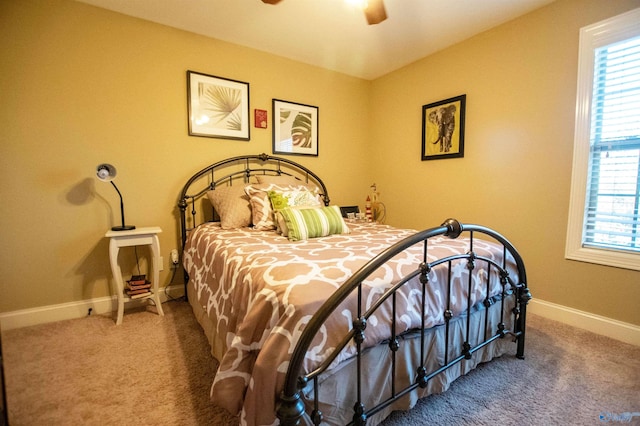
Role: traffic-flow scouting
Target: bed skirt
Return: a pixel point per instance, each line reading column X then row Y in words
column 337, row 390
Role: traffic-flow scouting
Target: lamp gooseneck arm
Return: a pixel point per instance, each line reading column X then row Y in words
column 121, row 203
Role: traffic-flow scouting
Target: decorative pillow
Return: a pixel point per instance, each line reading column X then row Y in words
column 262, row 211
column 291, row 198
column 281, row 224
column 287, row 181
column 232, row 205
column 279, row 180
column 305, row 223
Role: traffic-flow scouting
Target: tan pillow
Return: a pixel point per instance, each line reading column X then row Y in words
column 232, row 205
column 280, row 180
column 286, row 181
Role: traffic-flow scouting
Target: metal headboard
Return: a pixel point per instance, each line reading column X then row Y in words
column 233, row 171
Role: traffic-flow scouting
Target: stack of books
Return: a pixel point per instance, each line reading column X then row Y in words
column 138, row 286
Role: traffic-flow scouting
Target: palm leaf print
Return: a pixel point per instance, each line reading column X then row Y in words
column 301, row 130
column 284, row 115
column 221, row 104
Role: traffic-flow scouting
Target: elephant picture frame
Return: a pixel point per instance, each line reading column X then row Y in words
column 443, row 128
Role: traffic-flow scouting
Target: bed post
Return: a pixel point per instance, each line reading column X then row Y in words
column 523, row 300
column 182, row 204
column 290, row 409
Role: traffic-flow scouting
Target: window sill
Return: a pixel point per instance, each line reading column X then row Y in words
column 612, row 258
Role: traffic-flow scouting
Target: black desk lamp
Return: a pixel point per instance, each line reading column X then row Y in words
column 106, row 173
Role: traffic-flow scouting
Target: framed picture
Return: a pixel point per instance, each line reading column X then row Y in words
column 260, row 118
column 443, row 129
column 295, row 128
column 218, row 107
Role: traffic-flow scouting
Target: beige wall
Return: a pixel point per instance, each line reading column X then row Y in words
column 520, row 82
column 81, row 85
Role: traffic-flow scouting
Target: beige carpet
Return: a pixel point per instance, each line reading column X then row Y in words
column 157, row 371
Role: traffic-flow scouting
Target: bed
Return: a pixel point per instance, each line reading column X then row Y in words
column 316, row 319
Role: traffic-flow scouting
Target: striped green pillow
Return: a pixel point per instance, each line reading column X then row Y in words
column 305, row 223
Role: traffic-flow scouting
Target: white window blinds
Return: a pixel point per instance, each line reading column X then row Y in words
column 613, row 196
column 603, row 223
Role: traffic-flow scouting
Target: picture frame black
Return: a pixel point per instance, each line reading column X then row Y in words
column 295, row 128
column 345, row 210
column 443, row 128
column 217, row 107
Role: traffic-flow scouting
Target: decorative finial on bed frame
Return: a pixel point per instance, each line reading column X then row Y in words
column 454, row 228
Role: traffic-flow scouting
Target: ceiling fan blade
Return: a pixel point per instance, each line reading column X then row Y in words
column 271, row 1
column 374, row 12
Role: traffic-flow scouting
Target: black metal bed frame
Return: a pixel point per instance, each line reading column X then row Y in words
column 291, row 407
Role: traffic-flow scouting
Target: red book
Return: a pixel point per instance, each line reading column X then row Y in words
column 137, row 280
column 132, row 286
column 142, row 290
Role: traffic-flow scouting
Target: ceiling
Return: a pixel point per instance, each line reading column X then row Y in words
column 332, row 34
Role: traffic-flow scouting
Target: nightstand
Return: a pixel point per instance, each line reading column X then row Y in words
column 135, row 237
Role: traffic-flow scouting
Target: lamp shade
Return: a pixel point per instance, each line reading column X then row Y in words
column 106, row 172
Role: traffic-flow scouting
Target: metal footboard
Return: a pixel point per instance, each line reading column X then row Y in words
column 291, row 406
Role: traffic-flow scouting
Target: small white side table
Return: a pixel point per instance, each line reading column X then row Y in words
column 135, row 237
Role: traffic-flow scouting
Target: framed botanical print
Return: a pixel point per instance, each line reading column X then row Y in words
column 295, row 128
column 217, row 107
column 443, row 128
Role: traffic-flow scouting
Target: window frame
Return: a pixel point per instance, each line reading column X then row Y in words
column 592, row 37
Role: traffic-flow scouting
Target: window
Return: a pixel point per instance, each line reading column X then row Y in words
column 604, row 224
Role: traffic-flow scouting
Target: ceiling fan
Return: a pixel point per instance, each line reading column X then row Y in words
column 374, row 11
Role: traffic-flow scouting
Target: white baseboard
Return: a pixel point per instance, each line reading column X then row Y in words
column 625, row 332
column 71, row 310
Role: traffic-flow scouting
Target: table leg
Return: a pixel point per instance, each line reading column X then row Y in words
column 117, row 277
column 155, row 248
